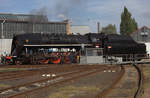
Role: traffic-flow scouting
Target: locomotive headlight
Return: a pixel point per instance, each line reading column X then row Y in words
column 97, row 46
column 109, row 47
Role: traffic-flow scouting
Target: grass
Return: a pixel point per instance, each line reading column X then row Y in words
column 68, row 91
column 10, row 69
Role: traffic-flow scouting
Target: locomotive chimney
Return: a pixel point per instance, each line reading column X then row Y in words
column 98, row 27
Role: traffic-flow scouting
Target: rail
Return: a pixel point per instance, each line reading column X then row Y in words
column 140, row 82
column 107, row 90
column 59, row 82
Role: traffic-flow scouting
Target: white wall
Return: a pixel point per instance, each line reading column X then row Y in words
column 80, row 29
column 91, row 60
column 5, row 45
column 147, row 48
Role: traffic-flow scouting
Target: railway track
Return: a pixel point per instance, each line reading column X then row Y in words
column 135, row 94
column 32, row 71
column 48, row 70
column 54, row 70
column 107, row 90
column 66, row 74
column 50, row 82
column 25, row 66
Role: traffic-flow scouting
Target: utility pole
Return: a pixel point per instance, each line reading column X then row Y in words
column 2, row 34
column 2, row 24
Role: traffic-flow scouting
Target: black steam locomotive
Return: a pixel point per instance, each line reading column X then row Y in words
column 113, row 44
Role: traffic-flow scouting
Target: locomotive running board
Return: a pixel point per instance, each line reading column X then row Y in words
column 58, row 45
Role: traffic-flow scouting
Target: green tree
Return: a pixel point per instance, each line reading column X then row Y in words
column 128, row 24
column 110, row 29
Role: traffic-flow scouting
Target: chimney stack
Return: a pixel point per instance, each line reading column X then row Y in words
column 68, row 33
column 98, row 27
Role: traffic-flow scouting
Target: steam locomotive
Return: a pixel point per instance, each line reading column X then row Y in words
column 112, row 44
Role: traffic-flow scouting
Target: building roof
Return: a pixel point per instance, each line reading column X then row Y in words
column 80, row 29
column 139, row 30
column 22, row 17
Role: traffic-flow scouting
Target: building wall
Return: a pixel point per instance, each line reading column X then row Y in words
column 25, row 23
column 80, row 29
column 11, row 28
column 49, row 28
column 142, row 35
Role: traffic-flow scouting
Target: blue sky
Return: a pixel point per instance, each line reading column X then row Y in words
column 82, row 12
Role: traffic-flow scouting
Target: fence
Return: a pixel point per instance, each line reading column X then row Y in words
column 95, row 56
column 92, row 56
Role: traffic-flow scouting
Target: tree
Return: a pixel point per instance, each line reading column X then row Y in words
column 109, row 29
column 128, row 24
